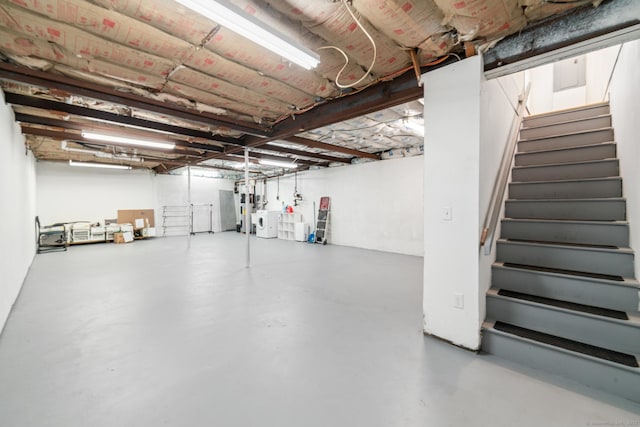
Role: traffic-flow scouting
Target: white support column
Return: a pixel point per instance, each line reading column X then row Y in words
column 189, row 207
column 247, row 206
column 451, row 202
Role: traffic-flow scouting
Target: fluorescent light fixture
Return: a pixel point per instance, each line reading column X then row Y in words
column 98, row 165
column 128, row 141
column 287, row 165
column 233, row 18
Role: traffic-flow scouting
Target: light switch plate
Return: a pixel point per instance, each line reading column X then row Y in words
column 447, row 215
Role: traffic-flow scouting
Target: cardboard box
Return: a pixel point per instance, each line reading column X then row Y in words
column 149, row 232
column 130, row 216
column 121, row 237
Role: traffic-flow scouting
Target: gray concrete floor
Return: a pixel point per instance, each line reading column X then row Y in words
column 153, row 334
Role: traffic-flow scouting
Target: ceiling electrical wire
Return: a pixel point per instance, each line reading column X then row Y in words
column 375, row 53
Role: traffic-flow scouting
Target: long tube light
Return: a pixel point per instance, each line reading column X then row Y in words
column 269, row 162
column 233, row 18
column 128, row 141
column 98, row 165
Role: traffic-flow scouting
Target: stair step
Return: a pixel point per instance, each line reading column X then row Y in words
column 576, row 139
column 610, row 329
column 596, row 260
column 567, row 171
column 600, row 151
column 597, row 233
column 568, row 344
column 562, row 128
column 621, row 294
column 612, row 209
column 567, row 189
column 592, row 110
column 588, row 365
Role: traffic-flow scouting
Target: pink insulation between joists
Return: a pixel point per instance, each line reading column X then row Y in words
column 333, row 22
column 225, row 43
column 227, row 64
column 81, row 43
column 110, row 25
column 483, row 18
column 409, row 23
column 219, row 101
column 166, row 15
column 538, row 9
column 174, row 19
column 56, row 55
column 210, row 84
column 216, row 66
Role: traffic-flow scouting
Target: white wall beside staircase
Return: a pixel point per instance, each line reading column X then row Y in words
column 467, row 120
column 625, row 109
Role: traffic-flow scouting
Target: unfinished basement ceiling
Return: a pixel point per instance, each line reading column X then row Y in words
column 158, row 71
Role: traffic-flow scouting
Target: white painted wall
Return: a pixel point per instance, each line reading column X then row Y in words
column 375, row 205
column 499, row 104
column 68, row 194
column 452, row 168
column 461, row 162
column 17, row 210
column 599, row 66
column 172, row 190
column 625, row 109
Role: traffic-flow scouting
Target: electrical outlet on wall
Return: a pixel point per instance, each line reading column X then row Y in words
column 458, row 300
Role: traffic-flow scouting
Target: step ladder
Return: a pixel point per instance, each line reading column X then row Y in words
column 322, row 225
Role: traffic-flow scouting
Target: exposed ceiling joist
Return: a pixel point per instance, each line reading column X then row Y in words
column 309, row 154
column 112, row 130
column 383, row 95
column 331, row 147
column 64, row 124
column 46, row 104
column 287, row 159
column 27, row 129
column 99, row 92
column 561, row 36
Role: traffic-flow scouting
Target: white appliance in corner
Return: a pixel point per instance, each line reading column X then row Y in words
column 267, row 224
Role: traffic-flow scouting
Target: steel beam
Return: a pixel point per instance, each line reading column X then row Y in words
column 331, row 147
column 303, row 153
column 96, row 91
column 64, row 124
column 378, row 97
column 46, row 104
column 62, row 135
column 583, row 25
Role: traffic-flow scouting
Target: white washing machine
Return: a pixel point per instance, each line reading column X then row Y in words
column 267, row 224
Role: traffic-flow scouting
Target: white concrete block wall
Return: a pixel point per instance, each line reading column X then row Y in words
column 17, row 210
column 68, row 194
column 376, row 205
